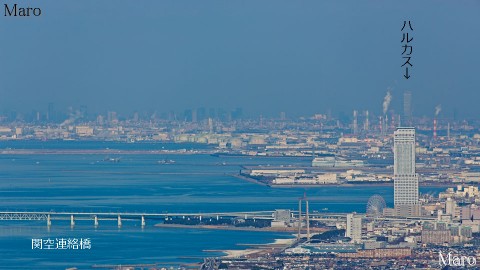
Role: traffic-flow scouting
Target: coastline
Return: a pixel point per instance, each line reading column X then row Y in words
column 248, row 179
column 369, row 184
column 232, row 228
column 99, row 151
column 276, row 246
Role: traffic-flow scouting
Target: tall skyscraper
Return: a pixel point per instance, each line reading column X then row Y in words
column 194, row 116
column 366, row 121
column 407, row 107
column 354, row 228
column 355, row 122
column 112, row 117
column 51, row 112
column 405, row 177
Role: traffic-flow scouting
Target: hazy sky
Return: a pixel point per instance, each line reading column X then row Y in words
column 264, row 56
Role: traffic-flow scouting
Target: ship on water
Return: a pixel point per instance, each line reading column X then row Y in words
column 110, row 159
column 166, row 161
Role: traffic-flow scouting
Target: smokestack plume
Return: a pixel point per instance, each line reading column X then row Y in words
column 386, row 101
column 438, row 109
column 72, row 118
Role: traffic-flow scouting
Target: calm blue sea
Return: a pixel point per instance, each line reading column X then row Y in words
column 195, row 183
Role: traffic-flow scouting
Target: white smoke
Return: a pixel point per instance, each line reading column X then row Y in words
column 438, row 109
column 73, row 117
column 386, row 101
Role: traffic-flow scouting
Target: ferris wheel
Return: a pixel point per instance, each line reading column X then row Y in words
column 375, row 206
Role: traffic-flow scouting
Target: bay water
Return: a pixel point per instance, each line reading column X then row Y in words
column 195, row 183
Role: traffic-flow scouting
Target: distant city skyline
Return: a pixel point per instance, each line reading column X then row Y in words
column 363, row 119
column 265, row 57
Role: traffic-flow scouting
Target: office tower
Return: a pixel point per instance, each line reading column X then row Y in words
column 84, row 112
column 100, row 120
column 187, row 115
column 212, row 113
column 366, row 121
column 354, row 228
column 380, row 125
column 172, row 116
column 210, row 125
column 355, row 122
column 51, row 112
column 12, row 116
column 112, row 117
column 407, row 107
column 237, row 114
column 222, row 114
column 405, row 178
column 201, row 114
column 194, row 116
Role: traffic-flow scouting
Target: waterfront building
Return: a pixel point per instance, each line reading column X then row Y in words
column 326, row 161
column 332, row 161
column 405, row 177
column 282, row 215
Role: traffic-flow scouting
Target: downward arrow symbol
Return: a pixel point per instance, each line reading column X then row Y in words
column 406, row 73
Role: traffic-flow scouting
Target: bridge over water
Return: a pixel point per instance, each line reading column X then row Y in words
column 95, row 217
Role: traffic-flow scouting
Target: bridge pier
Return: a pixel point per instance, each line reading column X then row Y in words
column 119, row 221
column 72, row 221
column 95, row 221
column 49, row 220
column 143, row 221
